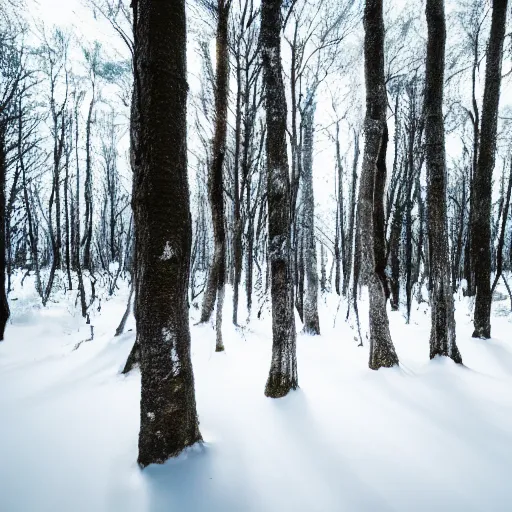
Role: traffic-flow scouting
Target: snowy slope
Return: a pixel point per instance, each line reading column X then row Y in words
column 428, row 436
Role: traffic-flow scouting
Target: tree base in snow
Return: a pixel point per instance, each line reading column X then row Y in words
column 280, row 385
column 484, row 333
column 455, row 357
column 312, row 327
column 169, row 451
column 383, row 357
column 169, row 421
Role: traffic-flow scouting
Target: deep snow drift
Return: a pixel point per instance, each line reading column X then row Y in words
column 426, row 436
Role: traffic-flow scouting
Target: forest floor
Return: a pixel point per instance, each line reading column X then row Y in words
column 427, row 436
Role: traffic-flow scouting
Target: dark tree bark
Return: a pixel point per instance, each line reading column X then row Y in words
column 78, row 263
column 283, row 369
column 458, row 245
column 311, row 320
column 67, row 252
column 237, row 236
column 299, row 266
column 409, row 202
column 217, row 278
column 323, row 276
column 339, row 236
column 4, row 305
column 163, row 232
column 394, row 256
column 474, row 116
column 371, row 190
column 442, row 334
column 32, row 230
column 482, row 186
column 58, row 134
column 87, row 239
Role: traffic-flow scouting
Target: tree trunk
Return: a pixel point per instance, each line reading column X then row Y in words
column 371, row 190
column 283, row 369
column 237, row 235
column 66, row 209
column 122, row 323
column 339, row 250
column 442, row 333
column 87, row 239
column 394, row 256
column 501, row 239
column 481, row 219
column 347, row 267
column 163, row 232
column 4, row 304
column 460, row 238
column 323, row 276
column 470, row 262
column 311, row 321
column 78, row 263
column 217, row 277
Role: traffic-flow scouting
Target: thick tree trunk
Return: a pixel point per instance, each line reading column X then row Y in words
column 311, row 321
column 482, row 188
column 217, row 277
column 442, row 334
column 283, row 369
column 371, row 190
column 163, row 233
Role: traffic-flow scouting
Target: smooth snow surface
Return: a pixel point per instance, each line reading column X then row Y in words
column 428, row 436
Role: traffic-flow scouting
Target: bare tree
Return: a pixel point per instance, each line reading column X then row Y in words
column 311, row 320
column 12, row 76
column 371, row 191
column 163, row 232
column 442, row 334
column 482, row 189
column 283, row 369
column 217, row 278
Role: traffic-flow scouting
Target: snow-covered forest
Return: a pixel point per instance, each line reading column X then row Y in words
column 255, row 255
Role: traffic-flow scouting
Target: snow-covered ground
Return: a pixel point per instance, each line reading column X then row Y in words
column 428, row 436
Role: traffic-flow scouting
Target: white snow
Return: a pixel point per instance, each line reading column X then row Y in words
column 168, row 252
column 426, row 436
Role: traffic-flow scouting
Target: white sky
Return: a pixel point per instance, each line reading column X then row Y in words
column 78, row 19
